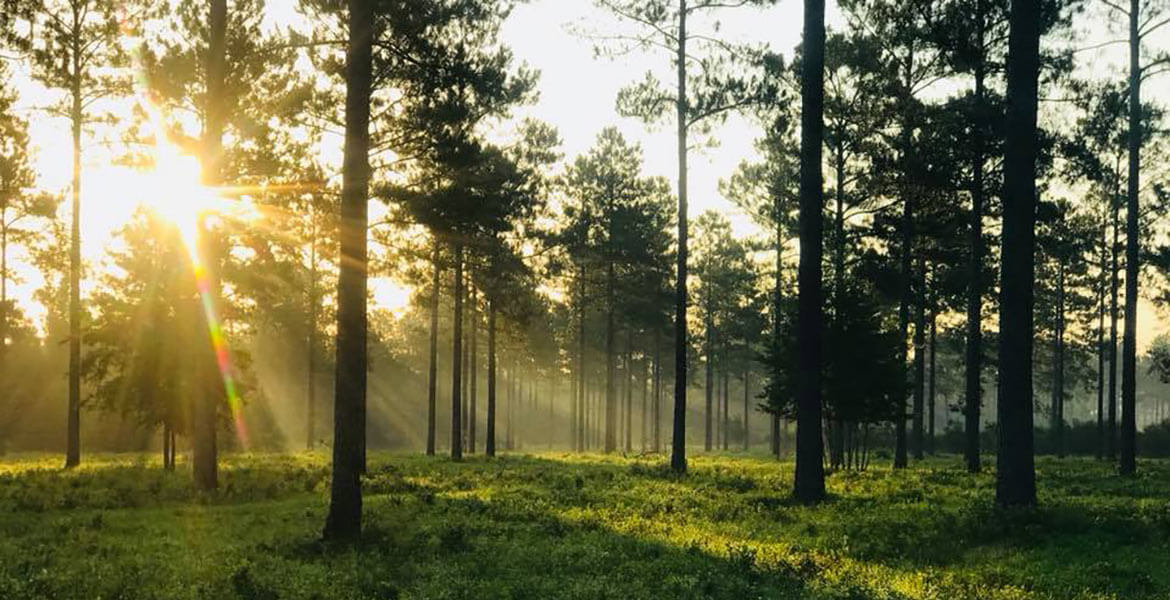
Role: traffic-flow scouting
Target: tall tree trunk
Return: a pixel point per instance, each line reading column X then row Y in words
column 610, row 357
column 490, row 442
column 810, row 471
column 1015, row 473
column 932, row 398
column 906, row 259
column 204, row 455
column 433, row 350
column 1129, row 341
column 465, row 342
column 919, row 358
column 311, row 359
column 657, row 389
column 1058, row 365
column 457, row 414
column 345, row 503
column 472, row 409
column 726, row 402
column 747, row 386
column 678, row 453
column 1115, row 283
column 1101, row 285
column 708, row 382
column 973, row 376
column 73, row 419
column 583, row 376
column 643, row 424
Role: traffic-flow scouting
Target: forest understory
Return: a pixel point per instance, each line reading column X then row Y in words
column 578, row 526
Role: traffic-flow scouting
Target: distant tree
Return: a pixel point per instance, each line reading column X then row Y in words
column 704, row 90
column 1145, row 18
column 71, row 45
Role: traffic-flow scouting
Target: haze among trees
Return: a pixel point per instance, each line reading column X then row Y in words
column 368, row 327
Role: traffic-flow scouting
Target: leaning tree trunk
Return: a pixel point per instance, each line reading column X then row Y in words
column 1128, row 462
column 345, row 502
column 810, row 471
column 1015, row 473
column 678, row 453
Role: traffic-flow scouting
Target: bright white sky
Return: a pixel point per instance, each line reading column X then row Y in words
column 577, row 95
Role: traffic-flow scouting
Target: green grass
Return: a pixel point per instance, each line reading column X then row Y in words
column 559, row 526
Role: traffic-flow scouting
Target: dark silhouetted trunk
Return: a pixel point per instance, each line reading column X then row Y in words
column 810, row 471
column 973, row 376
column 678, row 453
column 583, row 412
column 1058, row 365
column 1114, row 284
column 73, row 419
column 657, row 445
column 1128, row 464
column 932, row 398
column 457, row 414
column 204, row 451
column 1101, row 285
column 345, row 502
column 919, row 359
column 311, row 368
column 747, row 407
column 1015, row 473
column 610, row 357
column 906, row 251
column 709, row 383
column 490, row 442
column 433, row 350
column 472, row 409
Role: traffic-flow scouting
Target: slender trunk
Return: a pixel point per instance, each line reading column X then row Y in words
column 973, row 391
column 657, row 389
column 678, row 456
column 73, row 427
column 490, row 443
column 472, row 410
column 457, row 358
column 708, row 382
column 464, row 378
column 726, row 402
column 311, row 369
column 1114, row 284
column 1128, row 463
column 582, row 376
column 1015, row 472
column 345, row 504
column 610, row 359
column 1101, row 285
column 933, row 398
column 906, row 254
column 919, row 359
column 628, row 380
column 1058, row 383
column 810, row 471
column 433, row 350
column 747, row 386
column 643, row 425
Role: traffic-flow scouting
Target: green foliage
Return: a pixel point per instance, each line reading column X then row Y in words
column 555, row 526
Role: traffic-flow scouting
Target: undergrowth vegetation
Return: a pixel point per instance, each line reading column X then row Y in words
column 561, row 526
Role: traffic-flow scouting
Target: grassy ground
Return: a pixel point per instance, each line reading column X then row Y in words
column 557, row 526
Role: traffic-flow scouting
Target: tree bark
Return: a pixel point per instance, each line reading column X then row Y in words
column 678, row 454
column 472, row 409
column 433, row 350
column 73, row 419
column 457, row 414
column 610, row 357
column 490, row 442
column 810, row 474
column 345, row 503
column 708, row 382
column 1128, row 463
column 919, row 359
column 1015, row 473
column 973, row 391
column 311, row 359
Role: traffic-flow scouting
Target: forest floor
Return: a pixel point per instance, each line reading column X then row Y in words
column 561, row 526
